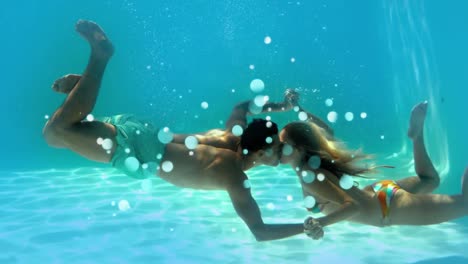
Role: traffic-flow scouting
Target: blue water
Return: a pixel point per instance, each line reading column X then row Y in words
column 378, row 57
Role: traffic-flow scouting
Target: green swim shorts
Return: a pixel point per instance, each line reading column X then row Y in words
column 138, row 151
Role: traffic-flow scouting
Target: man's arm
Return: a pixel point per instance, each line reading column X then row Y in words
column 247, row 208
column 242, row 110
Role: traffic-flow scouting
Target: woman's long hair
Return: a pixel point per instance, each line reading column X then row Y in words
column 333, row 155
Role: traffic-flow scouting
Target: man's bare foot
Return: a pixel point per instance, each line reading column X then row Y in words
column 100, row 44
column 66, row 83
column 418, row 114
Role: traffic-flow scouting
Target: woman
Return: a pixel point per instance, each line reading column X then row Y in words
column 312, row 151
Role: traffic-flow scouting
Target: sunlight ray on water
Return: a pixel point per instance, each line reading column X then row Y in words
column 415, row 75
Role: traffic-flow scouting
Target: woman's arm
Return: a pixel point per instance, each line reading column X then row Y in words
column 319, row 122
column 329, row 190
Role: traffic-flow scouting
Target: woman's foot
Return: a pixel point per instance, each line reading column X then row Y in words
column 66, row 83
column 418, row 115
column 101, row 46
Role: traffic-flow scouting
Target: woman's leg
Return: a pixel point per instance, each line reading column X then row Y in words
column 427, row 209
column 65, row 129
column 428, row 178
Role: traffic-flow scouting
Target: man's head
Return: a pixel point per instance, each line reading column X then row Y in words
column 260, row 141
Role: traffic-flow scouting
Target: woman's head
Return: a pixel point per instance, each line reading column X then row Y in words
column 305, row 141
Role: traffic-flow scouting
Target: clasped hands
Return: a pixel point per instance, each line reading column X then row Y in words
column 291, row 98
column 313, row 228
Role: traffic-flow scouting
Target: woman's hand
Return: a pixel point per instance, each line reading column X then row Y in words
column 313, row 228
column 291, row 98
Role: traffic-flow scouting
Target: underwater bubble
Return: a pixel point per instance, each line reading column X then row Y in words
column 144, row 166
column 257, row 85
column 233, row 90
column 46, row 117
column 296, row 108
column 268, row 140
column 107, row 144
column 165, row 136
column 382, row 137
column 329, row 102
column 255, row 109
column 245, row 151
column 132, row 164
column 191, row 142
column 124, row 205
column 269, row 124
column 302, row 116
column 320, row 177
column 270, row 206
column 137, row 132
column 113, row 203
column 287, row 149
column 363, row 115
column 346, row 182
column 159, row 156
column 289, row 198
column 99, row 141
column 293, row 60
column 191, row 153
column 308, row 176
column 167, row 166
column 251, row 66
column 127, row 150
column 237, row 130
column 261, row 100
column 90, row 118
column 146, row 185
column 267, row 40
column 246, row 184
column 204, row 105
column 114, row 214
column 349, row 116
column 309, row 201
column 314, row 162
column 332, row 116
column 268, row 118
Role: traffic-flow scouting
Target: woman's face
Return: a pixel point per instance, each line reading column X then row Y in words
column 290, row 154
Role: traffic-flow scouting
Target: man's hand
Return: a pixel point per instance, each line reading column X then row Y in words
column 291, row 98
column 313, row 228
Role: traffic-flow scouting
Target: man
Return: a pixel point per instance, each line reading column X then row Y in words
column 215, row 160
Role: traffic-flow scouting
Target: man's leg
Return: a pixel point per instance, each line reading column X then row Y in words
column 65, row 128
column 428, row 178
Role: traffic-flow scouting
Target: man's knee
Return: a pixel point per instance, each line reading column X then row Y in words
column 53, row 136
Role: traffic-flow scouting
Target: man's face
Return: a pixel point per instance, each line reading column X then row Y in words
column 272, row 154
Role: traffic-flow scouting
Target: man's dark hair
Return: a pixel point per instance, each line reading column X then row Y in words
column 256, row 133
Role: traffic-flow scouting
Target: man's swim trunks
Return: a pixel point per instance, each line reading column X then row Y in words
column 385, row 190
column 138, row 151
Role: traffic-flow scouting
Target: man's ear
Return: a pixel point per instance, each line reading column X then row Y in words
column 260, row 153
